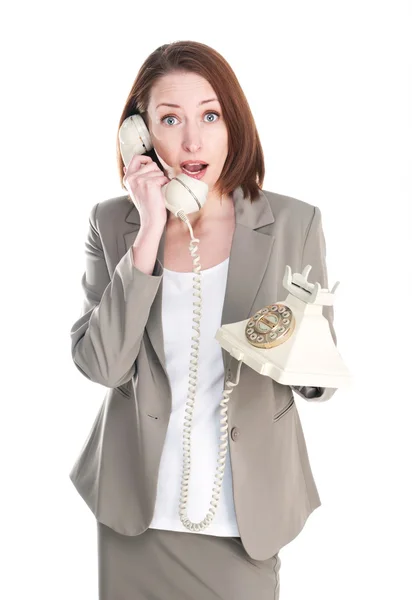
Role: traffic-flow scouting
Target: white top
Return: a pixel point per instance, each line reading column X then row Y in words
column 177, row 315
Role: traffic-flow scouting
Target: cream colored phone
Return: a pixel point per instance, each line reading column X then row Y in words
column 277, row 341
column 290, row 341
column 184, row 194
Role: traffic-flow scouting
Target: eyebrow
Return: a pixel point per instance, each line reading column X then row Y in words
column 177, row 106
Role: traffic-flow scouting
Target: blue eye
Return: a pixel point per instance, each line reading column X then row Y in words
column 173, row 117
column 168, row 117
column 213, row 113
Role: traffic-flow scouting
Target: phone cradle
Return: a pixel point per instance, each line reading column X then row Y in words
column 290, row 341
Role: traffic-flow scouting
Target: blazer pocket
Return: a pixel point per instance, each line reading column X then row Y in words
column 284, row 410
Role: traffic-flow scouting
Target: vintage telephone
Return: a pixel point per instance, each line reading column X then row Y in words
column 289, row 341
column 183, row 194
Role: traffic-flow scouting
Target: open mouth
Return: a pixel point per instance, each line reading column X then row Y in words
column 194, row 169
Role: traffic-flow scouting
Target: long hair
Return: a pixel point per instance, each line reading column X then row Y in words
column 244, row 164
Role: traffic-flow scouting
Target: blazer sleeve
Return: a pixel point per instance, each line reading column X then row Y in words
column 314, row 253
column 106, row 338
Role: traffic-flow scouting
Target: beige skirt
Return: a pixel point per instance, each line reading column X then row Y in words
column 173, row 565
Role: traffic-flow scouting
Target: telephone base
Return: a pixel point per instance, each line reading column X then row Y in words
column 280, row 362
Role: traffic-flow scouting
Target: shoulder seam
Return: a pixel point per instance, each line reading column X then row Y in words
column 93, row 218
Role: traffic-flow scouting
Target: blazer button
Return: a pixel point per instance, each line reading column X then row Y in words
column 234, row 434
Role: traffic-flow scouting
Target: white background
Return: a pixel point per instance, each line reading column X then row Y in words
column 327, row 84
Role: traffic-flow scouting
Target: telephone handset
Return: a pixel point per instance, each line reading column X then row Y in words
column 183, row 194
column 276, row 341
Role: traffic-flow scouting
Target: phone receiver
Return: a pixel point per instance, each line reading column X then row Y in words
column 182, row 193
column 290, row 341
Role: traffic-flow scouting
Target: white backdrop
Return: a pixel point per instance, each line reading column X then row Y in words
column 328, row 86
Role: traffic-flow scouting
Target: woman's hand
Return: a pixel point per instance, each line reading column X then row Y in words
column 144, row 180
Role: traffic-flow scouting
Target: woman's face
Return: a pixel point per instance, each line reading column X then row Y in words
column 192, row 131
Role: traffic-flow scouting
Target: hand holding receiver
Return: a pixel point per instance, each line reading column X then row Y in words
column 151, row 190
column 144, row 180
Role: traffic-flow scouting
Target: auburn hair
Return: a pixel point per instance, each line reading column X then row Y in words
column 244, row 164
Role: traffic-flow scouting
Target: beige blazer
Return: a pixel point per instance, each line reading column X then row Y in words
column 117, row 342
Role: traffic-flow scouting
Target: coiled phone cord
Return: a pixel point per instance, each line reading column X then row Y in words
column 184, row 490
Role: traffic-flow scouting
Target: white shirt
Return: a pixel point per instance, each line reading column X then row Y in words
column 177, row 321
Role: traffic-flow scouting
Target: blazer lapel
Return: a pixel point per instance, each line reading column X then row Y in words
column 249, row 256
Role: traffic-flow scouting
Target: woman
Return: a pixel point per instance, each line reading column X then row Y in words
column 134, row 336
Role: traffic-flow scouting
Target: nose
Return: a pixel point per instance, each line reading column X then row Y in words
column 192, row 139
column 192, row 148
